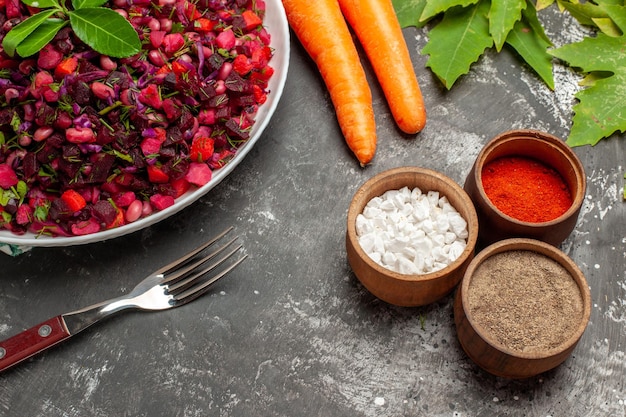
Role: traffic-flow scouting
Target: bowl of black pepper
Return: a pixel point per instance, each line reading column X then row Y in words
column 521, row 308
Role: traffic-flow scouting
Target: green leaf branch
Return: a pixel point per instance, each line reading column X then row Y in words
column 101, row 28
column 460, row 31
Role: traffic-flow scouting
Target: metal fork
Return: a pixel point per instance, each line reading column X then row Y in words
column 175, row 284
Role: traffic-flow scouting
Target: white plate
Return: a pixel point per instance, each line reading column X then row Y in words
column 276, row 23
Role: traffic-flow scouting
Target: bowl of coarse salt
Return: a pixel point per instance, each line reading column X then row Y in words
column 411, row 233
column 521, row 308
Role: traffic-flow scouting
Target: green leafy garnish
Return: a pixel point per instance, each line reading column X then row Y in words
column 104, row 30
column 466, row 28
column 601, row 109
column 457, row 41
column 460, row 31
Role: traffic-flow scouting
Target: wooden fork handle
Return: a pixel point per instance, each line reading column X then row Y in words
column 32, row 341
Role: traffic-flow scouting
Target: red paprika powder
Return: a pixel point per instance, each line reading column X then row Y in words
column 525, row 189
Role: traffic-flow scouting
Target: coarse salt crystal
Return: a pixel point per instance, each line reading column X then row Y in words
column 411, row 232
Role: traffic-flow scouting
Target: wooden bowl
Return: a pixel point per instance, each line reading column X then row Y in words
column 403, row 289
column 548, row 149
column 535, row 343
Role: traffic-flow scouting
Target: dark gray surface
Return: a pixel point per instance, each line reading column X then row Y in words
column 291, row 332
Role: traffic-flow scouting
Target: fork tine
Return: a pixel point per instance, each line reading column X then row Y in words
column 177, row 274
column 187, row 280
column 174, row 264
column 192, row 288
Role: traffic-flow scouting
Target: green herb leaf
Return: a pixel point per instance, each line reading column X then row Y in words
column 83, row 4
column 598, row 114
column 20, row 32
column 607, row 26
column 542, row 4
column 600, row 110
column 584, row 12
column 502, row 17
column 42, row 4
column 105, row 31
column 531, row 43
column 458, row 41
column 434, row 7
column 409, row 11
column 40, row 37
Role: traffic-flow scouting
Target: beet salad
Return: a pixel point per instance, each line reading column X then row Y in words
column 89, row 141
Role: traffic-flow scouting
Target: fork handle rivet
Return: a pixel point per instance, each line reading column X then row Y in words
column 44, row 331
column 2, row 352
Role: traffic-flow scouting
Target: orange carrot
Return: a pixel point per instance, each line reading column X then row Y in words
column 375, row 24
column 324, row 34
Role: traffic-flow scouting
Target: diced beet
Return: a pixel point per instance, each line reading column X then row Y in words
column 226, row 39
column 156, row 37
column 62, row 121
column 101, row 168
column 30, row 165
column 105, row 135
column 172, row 42
column 222, row 113
column 199, row 174
column 81, row 93
column 59, row 211
column 69, row 168
column 6, row 115
column 85, row 227
column 124, row 179
column 24, row 214
column 235, row 127
column 12, row 9
column 234, row 82
column 49, row 57
column 8, row 177
column 119, row 79
column 150, row 146
column 104, row 211
column 215, row 62
column 150, row 96
column 172, row 109
column 167, row 152
column 124, row 199
column 180, row 186
column 45, row 114
column 161, row 202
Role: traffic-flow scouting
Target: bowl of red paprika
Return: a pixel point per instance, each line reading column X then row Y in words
column 527, row 184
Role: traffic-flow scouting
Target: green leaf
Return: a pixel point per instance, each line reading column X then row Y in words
column 585, row 12
column 40, row 37
column 20, row 32
column 83, row 4
column 602, row 53
column 105, row 31
column 607, row 26
column 42, row 4
column 502, row 17
column 409, row 11
column 434, row 7
column 458, row 41
column 530, row 42
column 600, row 110
column 543, row 4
